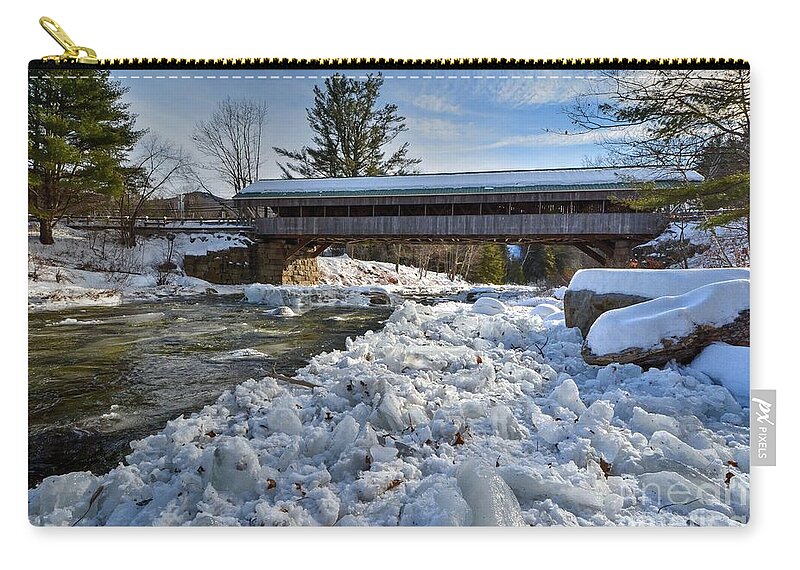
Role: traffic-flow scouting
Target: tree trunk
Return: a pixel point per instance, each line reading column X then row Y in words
column 46, row 231
column 128, row 233
column 397, row 258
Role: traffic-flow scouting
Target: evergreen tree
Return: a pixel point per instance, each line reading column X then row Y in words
column 514, row 272
column 351, row 133
column 491, row 265
column 79, row 134
column 538, row 262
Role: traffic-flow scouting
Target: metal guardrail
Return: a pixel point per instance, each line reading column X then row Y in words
column 158, row 224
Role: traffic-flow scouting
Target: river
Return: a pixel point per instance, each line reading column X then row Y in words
column 100, row 377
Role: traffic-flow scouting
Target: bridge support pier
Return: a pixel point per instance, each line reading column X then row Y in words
column 280, row 263
column 622, row 253
column 609, row 253
column 274, row 262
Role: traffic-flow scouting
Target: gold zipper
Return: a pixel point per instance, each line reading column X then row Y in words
column 74, row 54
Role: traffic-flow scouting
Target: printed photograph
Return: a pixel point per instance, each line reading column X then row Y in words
column 409, row 296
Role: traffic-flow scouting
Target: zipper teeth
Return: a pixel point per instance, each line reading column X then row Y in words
column 364, row 62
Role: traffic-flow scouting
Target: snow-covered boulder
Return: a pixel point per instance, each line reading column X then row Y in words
column 582, row 308
column 672, row 327
column 728, row 365
column 593, row 292
column 488, row 306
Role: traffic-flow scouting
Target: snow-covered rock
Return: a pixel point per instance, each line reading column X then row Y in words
column 656, row 331
column 685, row 242
column 583, row 307
column 651, row 283
column 488, row 306
column 593, row 292
column 728, row 365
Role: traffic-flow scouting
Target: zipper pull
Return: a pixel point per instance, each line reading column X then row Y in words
column 72, row 52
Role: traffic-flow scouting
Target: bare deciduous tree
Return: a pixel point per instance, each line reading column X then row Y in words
column 156, row 167
column 231, row 139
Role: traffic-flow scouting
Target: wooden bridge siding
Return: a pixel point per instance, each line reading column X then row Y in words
column 613, row 226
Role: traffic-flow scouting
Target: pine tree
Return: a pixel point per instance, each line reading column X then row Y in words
column 538, row 263
column 514, row 272
column 352, row 133
column 491, row 265
column 79, row 134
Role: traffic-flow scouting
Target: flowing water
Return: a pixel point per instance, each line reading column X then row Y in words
column 101, row 377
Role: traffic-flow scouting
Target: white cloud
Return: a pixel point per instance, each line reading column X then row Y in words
column 436, row 104
column 438, row 129
column 551, row 138
column 543, row 89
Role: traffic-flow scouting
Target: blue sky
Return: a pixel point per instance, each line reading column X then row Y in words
column 457, row 121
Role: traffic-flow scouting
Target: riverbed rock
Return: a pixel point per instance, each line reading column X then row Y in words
column 682, row 349
column 581, row 308
column 379, row 298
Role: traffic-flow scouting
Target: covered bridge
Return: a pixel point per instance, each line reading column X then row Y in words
column 577, row 206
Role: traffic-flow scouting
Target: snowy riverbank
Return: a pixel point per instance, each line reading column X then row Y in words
column 91, row 268
column 453, row 414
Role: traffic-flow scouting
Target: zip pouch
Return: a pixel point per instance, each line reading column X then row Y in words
column 388, row 293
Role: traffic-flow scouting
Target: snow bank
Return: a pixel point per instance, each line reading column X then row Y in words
column 728, row 365
column 646, row 324
column 346, row 271
column 92, row 268
column 719, row 247
column 651, row 283
column 446, row 416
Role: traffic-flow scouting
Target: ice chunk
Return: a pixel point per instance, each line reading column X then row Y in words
column 667, row 489
column 488, row 306
column 381, row 454
column 241, row 354
column 530, row 485
column 550, row 430
column 567, row 395
column 706, row 517
column 57, row 499
column 235, row 467
column 545, row 310
column 473, row 409
column 280, row 312
column 505, row 424
column 437, row 502
column 264, row 295
column 489, row 497
column 344, row 435
column 674, row 448
column 390, row 410
column 647, row 423
column 284, row 420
